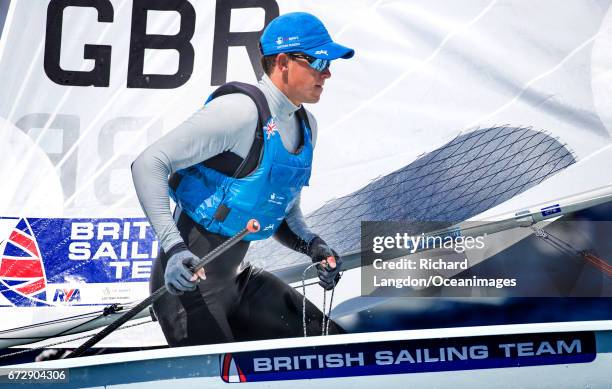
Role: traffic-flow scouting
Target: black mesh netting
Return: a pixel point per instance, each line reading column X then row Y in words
column 467, row 176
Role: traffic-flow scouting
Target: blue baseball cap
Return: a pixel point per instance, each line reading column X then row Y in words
column 301, row 32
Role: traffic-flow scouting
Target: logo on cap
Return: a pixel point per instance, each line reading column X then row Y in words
column 323, row 52
column 279, row 40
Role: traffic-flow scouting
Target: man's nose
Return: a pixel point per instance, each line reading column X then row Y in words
column 325, row 74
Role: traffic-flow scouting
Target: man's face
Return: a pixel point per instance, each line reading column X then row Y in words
column 303, row 83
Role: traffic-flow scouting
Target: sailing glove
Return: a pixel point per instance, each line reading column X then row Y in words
column 179, row 277
column 318, row 250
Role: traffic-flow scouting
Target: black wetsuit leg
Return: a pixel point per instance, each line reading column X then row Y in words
column 199, row 317
column 236, row 302
column 271, row 309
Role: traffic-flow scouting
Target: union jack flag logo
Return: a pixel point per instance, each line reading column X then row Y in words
column 22, row 275
column 271, row 128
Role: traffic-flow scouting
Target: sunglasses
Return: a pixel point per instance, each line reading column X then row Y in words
column 317, row 64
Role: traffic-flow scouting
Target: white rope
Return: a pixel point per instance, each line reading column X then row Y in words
column 326, row 318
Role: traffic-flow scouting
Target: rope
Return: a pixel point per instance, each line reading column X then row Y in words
column 331, row 301
column 114, row 308
column 326, row 317
column 67, row 341
column 569, row 250
column 555, row 242
column 96, row 315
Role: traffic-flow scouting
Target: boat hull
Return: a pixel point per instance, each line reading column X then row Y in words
column 561, row 355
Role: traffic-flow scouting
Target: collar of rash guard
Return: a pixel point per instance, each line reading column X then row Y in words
column 280, row 105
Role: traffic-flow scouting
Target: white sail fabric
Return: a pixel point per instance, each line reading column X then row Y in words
column 422, row 73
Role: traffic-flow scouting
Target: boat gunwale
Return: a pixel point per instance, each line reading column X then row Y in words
column 288, row 343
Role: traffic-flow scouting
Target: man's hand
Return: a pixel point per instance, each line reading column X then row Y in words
column 329, row 263
column 178, row 276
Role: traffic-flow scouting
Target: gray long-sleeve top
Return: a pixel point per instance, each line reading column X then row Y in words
column 227, row 123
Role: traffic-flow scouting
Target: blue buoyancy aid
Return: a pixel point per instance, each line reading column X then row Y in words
column 224, row 204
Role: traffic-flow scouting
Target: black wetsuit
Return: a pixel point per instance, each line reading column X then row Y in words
column 237, row 301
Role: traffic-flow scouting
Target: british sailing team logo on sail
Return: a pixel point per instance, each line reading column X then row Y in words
column 73, row 261
column 22, row 274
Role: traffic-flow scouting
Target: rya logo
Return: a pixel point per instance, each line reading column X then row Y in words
column 279, row 40
column 67, row 295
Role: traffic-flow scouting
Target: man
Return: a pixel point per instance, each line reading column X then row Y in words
column 246, row 154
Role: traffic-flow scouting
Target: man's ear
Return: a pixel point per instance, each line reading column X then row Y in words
column 282, row 61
